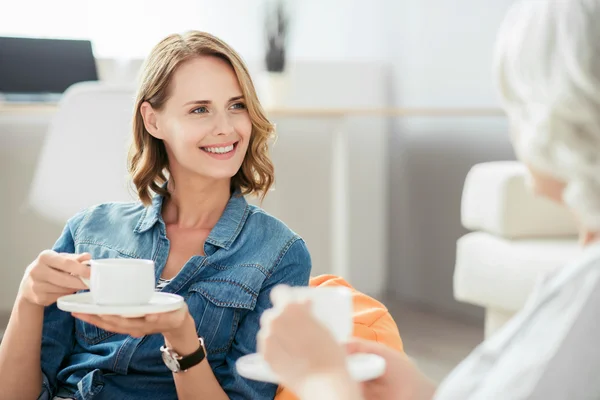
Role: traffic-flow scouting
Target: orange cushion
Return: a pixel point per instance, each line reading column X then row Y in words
column 372, row 321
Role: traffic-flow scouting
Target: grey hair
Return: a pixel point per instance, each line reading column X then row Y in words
column 547, row 69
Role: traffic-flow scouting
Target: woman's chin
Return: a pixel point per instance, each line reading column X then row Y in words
column 215, row 176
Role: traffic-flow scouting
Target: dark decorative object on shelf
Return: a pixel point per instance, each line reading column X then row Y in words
column 276, row 26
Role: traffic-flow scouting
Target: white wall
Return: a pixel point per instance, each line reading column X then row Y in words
column 442, row 51
column 339, row 30
column 322, row 30
column 129, row 29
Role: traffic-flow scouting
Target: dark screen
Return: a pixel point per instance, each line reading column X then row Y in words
column 30, row 65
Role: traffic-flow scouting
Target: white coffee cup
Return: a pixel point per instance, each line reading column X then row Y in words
column 332, row 306
column 121, row 281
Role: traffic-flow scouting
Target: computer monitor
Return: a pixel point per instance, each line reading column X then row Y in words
column 32, row 67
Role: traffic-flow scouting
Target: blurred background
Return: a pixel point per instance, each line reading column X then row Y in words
column 382, row 107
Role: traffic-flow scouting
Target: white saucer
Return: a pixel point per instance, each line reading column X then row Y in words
column 362, row 367
column 84, row 304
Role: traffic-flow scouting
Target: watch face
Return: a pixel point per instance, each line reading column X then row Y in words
column 170, row 361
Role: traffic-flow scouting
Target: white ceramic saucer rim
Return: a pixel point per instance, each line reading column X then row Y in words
column 74, row 303
column 256, row 371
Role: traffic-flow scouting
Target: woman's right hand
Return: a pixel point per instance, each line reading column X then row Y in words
column 402, row 379
column 53, row 275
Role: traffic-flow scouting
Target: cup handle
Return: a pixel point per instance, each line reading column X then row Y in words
column 85, row 281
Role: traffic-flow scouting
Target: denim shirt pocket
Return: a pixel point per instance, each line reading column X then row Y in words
column 219, row 303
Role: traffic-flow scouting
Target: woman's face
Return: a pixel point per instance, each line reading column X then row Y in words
column 545, row 185
column 204, row 124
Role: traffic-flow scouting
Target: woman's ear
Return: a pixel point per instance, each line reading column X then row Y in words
column 150, row 119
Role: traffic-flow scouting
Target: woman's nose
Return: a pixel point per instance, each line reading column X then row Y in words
column 223, row 125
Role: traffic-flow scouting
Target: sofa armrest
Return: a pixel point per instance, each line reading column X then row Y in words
column 496, row 200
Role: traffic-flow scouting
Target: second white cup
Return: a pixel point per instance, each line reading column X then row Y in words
column 332, row 306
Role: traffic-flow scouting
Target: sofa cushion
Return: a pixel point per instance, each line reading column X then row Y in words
column 496, row 200
column 500, row 273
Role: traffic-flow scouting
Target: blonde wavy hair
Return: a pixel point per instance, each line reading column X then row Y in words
column 148, row 162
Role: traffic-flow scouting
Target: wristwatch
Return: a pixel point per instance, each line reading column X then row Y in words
column 177, row 363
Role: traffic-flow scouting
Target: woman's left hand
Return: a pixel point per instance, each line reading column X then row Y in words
column 164, row 323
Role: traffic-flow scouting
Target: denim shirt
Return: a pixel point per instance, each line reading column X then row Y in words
column 247, row 253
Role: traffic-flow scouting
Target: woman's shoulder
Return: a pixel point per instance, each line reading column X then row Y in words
column 110, row 230
column 260, row 220
column 271, row 232
column 108, row 215
column 284, row 250
column 111, row 209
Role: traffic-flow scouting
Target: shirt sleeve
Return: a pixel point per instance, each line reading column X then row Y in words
column 293, row 270
column 59, row 327
column 572, row 371
column 553, row 355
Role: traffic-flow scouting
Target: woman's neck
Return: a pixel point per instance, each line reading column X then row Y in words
column 195, row 205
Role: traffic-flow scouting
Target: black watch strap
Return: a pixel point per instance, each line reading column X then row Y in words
column 191, row 360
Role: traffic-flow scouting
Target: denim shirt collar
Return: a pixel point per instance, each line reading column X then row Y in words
column 224, row 232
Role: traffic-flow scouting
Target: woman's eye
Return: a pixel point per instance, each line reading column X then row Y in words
column 200, row 110
column 239, row 106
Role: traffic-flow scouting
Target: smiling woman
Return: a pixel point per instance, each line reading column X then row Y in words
column 230, row 106
column 200, row 143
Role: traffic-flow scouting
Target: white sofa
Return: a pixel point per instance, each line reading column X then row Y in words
column 515, row 236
